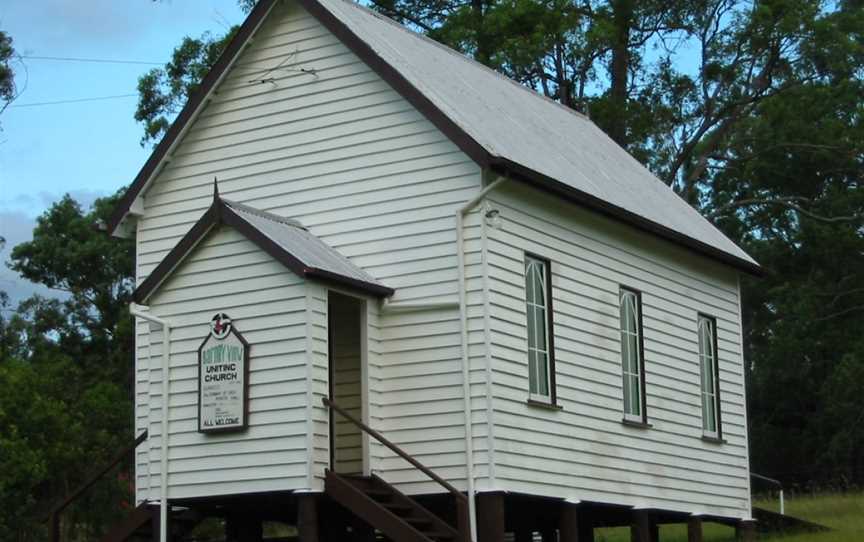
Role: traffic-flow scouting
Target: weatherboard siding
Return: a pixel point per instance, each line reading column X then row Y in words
column 583, row 451
column 416, row 385
column 348, row 157
column 268, row 305
column 341, row 151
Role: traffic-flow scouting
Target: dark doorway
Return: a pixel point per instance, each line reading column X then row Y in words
column 345, row 339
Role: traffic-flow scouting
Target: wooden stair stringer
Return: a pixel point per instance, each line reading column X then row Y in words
column 439, row 524
column 372, row 511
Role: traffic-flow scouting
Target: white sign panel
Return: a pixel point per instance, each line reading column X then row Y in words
column 223, row 365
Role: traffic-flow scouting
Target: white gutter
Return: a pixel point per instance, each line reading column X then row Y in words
column 466, row 370
column 141, row 312
column 401, row 306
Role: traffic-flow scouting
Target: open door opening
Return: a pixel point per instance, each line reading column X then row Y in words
column 345, row 339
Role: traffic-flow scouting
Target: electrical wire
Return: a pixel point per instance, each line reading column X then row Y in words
column 72, row 101
column 97, row 60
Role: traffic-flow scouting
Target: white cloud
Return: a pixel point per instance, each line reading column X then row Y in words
column 16, row 227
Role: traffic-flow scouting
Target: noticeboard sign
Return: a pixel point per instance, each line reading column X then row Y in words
column 223, row 378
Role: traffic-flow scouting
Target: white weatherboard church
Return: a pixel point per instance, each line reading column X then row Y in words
column 421, row 303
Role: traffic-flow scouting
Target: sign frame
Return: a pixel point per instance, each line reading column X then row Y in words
column 245, row 409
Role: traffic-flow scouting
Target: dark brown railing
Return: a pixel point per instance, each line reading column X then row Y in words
column 57, row 510
column 462, row 518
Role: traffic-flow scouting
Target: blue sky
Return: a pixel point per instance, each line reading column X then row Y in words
column 88, row 149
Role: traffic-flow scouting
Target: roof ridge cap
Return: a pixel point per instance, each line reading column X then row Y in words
column 465, row 58
column 263, row 214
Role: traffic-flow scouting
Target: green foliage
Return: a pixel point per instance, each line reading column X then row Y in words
column 65, row 372
column 162, row 92
column 843, row 513
column 7, row 74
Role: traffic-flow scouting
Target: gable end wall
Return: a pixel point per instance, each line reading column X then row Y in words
column 342, row 152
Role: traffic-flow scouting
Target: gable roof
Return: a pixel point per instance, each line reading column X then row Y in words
column 500, row 124
column 286, row 240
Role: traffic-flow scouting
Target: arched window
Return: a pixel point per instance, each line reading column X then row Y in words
column 632, row 362
column 538, row 310
column 709, row 373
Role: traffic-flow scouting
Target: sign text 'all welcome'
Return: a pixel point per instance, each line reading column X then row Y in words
column 223, row 365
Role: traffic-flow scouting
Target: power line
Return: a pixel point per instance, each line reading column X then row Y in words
column 72, row 101
column 97, row 60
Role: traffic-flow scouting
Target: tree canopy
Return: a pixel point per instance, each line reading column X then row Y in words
column 65, row 372
column 8, row 90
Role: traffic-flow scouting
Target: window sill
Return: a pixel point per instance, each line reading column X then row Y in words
column 713, row 439
column 544, row 405
column 634, row 423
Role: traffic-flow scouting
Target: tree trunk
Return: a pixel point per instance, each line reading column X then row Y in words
column 622, row 21
column 482, row 54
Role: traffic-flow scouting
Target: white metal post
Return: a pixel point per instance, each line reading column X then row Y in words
column 141, row 312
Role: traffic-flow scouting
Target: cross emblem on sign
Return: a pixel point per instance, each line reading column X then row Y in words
column 220, row 325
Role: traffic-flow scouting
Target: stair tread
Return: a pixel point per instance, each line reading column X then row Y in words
column 437, row 534
column 398, row 506
column 398, row 509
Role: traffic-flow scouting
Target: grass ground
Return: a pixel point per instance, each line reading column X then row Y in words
column 843, row 513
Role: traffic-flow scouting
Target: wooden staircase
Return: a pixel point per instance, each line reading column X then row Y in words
column 396, row 516
column 142, row 525
column 138, row 525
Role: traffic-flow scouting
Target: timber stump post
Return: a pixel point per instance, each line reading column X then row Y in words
column 643, row 528
column 307, row 517
column 694, row 529
column 745, row 531
column 568, row 523
column 490, row 517
column 241, row 526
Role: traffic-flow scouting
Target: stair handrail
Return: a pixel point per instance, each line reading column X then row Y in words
column 461, row 499
column 776, row 483
column 57, row 509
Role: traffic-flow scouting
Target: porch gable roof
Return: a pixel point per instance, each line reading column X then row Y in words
column 286, row 240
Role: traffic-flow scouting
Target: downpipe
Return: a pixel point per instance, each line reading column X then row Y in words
column 140, row 311
column 463, row 324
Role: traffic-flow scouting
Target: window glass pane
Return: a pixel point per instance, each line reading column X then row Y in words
column 709, row 413
column 629, row 314
column 708, row 372
column 529, row 281
column 635, row 398
column 540, row 283
column 532, row 328
column 633, row 353
column 542, row 374
column 628, row 408
column 532, row 371
column 540, row 324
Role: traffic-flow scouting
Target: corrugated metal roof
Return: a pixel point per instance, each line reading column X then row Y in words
column 516, row 124
column 296, row 240
column 284, row 239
